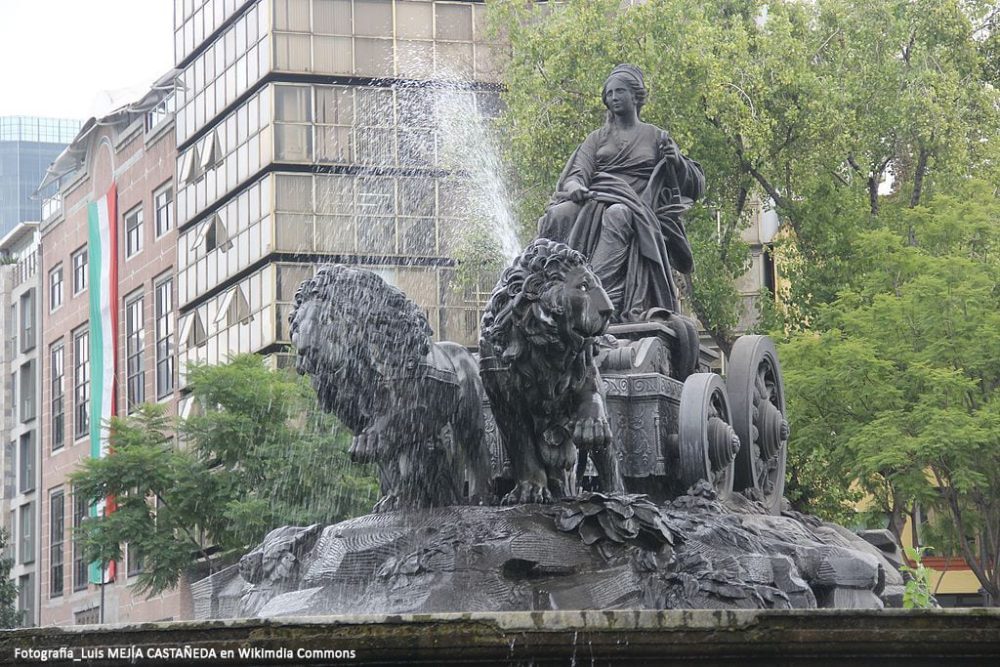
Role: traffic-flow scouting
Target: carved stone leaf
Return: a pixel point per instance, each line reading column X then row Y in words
column 568, row 520
column 590, row 532
column 610, row 527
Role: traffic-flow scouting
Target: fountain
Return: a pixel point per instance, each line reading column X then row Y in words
column 577, row 464
column 585, row 489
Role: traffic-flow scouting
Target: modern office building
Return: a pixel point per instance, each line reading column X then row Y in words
column 20, row 309
column 309, row 131
column 27, row 146
column 110, row 236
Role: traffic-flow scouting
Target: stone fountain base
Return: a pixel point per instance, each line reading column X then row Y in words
column 817, row 638
column 599, row 552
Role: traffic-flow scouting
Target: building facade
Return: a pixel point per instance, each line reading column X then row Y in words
column 307, row 133
column 20, row 310
column 27, row 146
column 120, row 169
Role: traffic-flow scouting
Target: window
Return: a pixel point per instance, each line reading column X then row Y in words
column 55, row 288
column 28, row 391
column 135, row 560
column 9, row 479
column 28, row 320
column 57, row 535
column 135, row 376
column 79, row 562
column 26, row 598
column 11, row 328
column 133, row 232
column 79, row 271
column 81, row 384
column 26, row 459
column 57, row 364
column 90, row 616
column 164, row 338
column 13, row 395
column 163, row 206
column 27, row 543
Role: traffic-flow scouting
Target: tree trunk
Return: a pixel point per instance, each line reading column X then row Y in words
column 918, row 177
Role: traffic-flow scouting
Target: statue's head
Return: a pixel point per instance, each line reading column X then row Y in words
column 548, row 294
column 628, row 77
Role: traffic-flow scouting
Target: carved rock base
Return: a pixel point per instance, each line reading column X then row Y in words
column 598, row 552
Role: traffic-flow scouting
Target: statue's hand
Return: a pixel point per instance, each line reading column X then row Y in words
column 669, row 151
column 577, row 192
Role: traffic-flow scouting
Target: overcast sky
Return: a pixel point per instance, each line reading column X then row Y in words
column 57, row 56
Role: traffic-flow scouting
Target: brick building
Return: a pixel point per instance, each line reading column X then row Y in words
column 128, row 156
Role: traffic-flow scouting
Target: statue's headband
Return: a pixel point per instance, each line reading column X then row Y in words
column 628, row 72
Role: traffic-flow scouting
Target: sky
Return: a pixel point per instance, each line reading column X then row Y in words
column 57, row 56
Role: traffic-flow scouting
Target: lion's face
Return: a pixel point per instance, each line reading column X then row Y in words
column 585, row 304
column 320, row 351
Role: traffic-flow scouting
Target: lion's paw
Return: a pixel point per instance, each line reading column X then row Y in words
column 364, row 447
column 592, row 432
column 528, row 493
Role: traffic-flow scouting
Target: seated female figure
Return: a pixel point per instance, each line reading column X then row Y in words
column 620, row 199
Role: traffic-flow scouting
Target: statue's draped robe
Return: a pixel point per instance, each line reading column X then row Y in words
column 656, row 191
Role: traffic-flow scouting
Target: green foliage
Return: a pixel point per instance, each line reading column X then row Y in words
column 259, row 456
column 10, row 617
column 808, row 105
column 917, row 592
column 898, row 384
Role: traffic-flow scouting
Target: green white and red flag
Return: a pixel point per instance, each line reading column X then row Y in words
column 102, row 258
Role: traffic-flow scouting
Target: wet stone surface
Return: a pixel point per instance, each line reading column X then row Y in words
column 595, row 552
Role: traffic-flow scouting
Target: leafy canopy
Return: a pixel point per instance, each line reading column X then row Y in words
column 259, row 455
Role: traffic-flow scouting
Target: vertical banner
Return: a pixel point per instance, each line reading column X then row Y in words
column 102, row 248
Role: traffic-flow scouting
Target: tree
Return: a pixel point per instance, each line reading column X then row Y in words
column 260, row 455
column 804, row 106
column 898, row 384
column 10, row 616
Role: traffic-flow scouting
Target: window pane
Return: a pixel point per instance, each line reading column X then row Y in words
column 333, row 144
column 334, row 105
column 291, row 103
column 333, row 55
column 292, row 142
column 373, row 57
column 292, row 52
column 376, row 196
column 415, row 59
column 416, row 196
column 454, row 22
column 414, row 20
column 335, row 233
column 377, row 235
column 293, row 193
column 291, row 15
column 454, row 60
column 417, row 236
column 335, row 194
column 332, row 17
column 373, row 17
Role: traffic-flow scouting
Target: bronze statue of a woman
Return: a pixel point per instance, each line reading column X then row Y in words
column 620, row 199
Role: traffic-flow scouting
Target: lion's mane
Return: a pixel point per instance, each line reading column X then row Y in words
column 375, row 319
column 525, row 310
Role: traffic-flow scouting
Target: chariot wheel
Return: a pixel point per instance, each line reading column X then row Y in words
column 758, row 400
column 706, row 441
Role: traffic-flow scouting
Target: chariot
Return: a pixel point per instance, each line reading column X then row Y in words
column 675, row 423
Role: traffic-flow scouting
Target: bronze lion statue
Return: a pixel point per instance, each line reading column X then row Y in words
column 413, row 405
column 537, row 347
